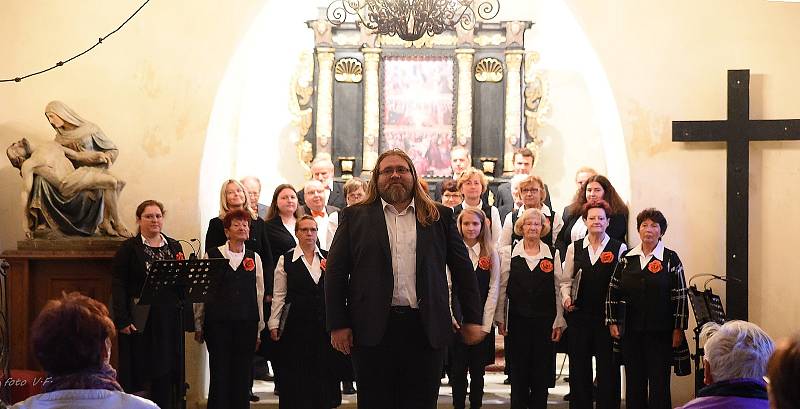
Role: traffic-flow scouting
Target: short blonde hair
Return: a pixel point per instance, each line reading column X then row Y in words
column 468, row 174
column 529, row 214
column 530, row 180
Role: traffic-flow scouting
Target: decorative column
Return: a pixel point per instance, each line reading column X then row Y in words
column 513, row 122
column 372, row 109
column 324, row 108
column 464, row 56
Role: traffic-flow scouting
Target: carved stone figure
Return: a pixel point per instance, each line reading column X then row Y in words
column 68, row 189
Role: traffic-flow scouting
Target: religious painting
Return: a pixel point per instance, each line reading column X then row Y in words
column 417, row 116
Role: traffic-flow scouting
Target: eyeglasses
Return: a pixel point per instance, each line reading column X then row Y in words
column 307, row 230
column 530, row 190
column 391, row 171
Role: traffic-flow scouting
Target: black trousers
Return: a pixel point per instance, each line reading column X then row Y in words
column 231, row 345
column 648, row 357
column 533, row 367
column 588, row 338
column 465, row 358
column 402, row 371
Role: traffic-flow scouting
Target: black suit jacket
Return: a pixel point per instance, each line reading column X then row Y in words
column 335, row 199
column 280, row 239
column 360, row 280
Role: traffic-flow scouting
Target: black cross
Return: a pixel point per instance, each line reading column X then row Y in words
column 738, row 130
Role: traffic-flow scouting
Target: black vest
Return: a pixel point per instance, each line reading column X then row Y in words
column 483, row 288
column 531, row 293
column 595, row 278
column 547, row 238
column 233, row 295
column 648, row 295
column 306, row 296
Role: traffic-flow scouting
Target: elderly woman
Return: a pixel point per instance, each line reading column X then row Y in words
column 465, row 358
column 588, row 266
column 71, row 339
column 783, row 371
column 473, row 184
column 232, row 318
column 596, row 187
column 649, row 280
column 534, row 320
column 735, row 363
column 308, row 380
column 148, row 339
column 354, row 191
column 533, row 194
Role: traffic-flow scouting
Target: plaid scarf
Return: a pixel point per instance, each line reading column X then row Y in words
column 104, row 377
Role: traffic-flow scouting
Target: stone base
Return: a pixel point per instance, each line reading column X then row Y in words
column 72, row 244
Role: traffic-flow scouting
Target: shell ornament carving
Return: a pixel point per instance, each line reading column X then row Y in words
column 489, row 70
column 348, row 70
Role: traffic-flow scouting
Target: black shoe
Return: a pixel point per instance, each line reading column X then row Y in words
column 276, row 390
column 254, row 397
column 348, row 389
column 507, row 381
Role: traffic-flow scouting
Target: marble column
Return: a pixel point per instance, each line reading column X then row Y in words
column 324, row 106
column 464, row 56
column 513, row 112
column 372, row 108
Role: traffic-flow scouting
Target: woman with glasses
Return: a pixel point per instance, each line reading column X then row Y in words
column 297, row 322
column 533, row 194
column 451, row 197
column 473, row 184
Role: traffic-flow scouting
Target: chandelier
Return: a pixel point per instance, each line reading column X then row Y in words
column 411, row 19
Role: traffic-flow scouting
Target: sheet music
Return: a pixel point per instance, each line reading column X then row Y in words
column 576, row 283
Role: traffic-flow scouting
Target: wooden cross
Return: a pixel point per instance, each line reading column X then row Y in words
column 738, row 130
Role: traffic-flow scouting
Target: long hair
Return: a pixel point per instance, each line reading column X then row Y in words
column 425, row 207
column 610, row 195
column 484, row 237
column 223, row 201
column 273, row 211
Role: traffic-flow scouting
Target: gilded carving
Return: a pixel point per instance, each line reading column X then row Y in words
column 324, row 123
column 515, row 33
column 536, row 102
column 425, row 41
column 495, row 39
column 348, row 70
column 513, row 117
column 464, row 96
column 489, row 70
column 322, row 32
column 301, row 90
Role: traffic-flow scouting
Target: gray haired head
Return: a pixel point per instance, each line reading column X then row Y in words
column 736, row 349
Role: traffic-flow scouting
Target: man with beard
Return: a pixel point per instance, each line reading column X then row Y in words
column 386, row 293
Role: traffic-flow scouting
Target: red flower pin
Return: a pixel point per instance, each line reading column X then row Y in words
column 546, row 265
column 654, row 266
column 606, row 257
column 323, row 264
column 249, row 264
column 180, row 256
column 484, row 263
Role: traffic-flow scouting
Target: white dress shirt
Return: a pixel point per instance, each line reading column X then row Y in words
column 497, row 225
column 657, row 252
column 569, row 261
column 402, row 230
column 199, row 308
column 322, row 229
column 532, row 261
column 333, row 225
column 508, row 227
column 279, row 288
column 494, row 283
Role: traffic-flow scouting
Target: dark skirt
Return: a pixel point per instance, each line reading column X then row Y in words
column 152, row 353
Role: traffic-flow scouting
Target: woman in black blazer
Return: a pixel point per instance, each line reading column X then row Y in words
column 308, row 377
column 596, row 187
column 147, row 337
column 281, row 218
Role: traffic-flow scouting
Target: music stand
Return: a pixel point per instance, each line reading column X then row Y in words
column 176, row 282
column 707, row 307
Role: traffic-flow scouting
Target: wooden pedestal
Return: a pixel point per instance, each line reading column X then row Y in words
column 37, row 276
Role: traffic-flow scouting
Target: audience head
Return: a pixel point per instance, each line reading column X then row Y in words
column 783, row 372
column 472, row 183
column 460, row 159
column 394, row 179
column 306, row 231
column 284, row 202
column 322, row 169
column 233, row 195
column 583, row 173
column 532, row 192
column 734, row 350
column 314, row 194
column 523, row 161
column 150, row 218
column 253, row 186
column 72, row 334
column 532, row 223
column 451, row 196
column 354, row 190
